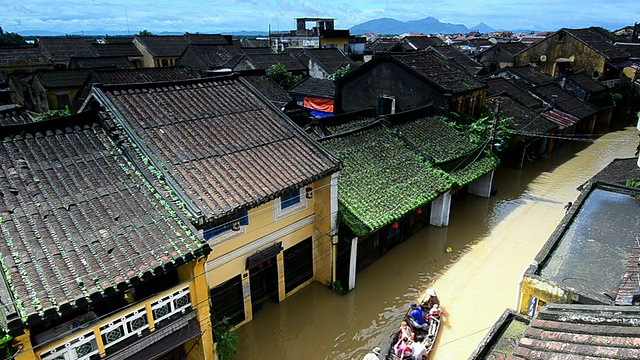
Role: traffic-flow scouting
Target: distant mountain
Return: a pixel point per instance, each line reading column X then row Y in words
column 389, row 26
column 483, row 28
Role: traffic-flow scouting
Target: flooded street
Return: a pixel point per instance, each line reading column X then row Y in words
column 493, row 240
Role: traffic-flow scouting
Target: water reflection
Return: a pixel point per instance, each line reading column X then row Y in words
column 492, row 241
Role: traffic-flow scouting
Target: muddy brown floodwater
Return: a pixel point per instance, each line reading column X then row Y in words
column 493, row 240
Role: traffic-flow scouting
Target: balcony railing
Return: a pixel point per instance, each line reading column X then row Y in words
column 610, row 83
column 132, row 323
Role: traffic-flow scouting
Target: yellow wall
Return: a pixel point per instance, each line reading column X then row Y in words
column 147, row 59
column 200, row 347
column 337, row 42
column 23, row 342
column 460, row 103
column 582, row 56
column 543, row 290
column 262, row 223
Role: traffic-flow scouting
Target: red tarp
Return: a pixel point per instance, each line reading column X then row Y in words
column 320, row 104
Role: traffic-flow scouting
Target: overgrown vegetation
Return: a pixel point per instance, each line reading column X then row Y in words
column 340, row 73
column 633, row 183
column 51, row 114
column 5, row 345
column 336, row 286
column 479, row 131
column 226, row 340
column 283, row 77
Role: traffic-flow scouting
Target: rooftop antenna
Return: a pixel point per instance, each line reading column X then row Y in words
column 127, row 18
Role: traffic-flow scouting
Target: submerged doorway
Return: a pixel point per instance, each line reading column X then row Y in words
column 263, row 278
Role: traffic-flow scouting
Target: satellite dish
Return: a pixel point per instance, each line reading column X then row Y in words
column 543, row 58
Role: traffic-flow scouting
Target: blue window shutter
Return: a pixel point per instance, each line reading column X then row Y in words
column 290, row 199
column 222, row 228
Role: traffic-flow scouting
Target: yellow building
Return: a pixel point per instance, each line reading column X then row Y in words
column 260, row 191
column 96, row 263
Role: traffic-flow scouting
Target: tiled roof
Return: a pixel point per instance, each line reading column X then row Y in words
column 265, row 61
column 119, row 40
column 596, row 39
column 14, row 116
column 144, row 75
column 529, row 73
column 226, row 148
column 585, row 82
column 513, row 47
column 257, row 50
column 450, row 52
column 630, row 284
column 207, row 39
column 434, row 138
column 382, row 45
column 331, row 59
column 443, row 146
column 448, row 74
column 561, row 118
column 562, row 100
column 323, row 88
column 127, row 49
column 267, row 87
column 163, row 46
column 382, row 179
column 423, row 42
column 498, row 86
column 527, row 121
column 62, row 78
column 78, row 222
column 29, row 55
column 633, row 49
column 215, row 55
column 116, row 62
column 619, row 171
column 64, row 48
column 581, row 332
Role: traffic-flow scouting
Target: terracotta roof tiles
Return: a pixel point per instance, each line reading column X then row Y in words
column 28, row 55
column 597, row 39
column 77, row 220
column 225, row 155
column 265, row 61
column 144, row 75
column 127, row 49
column 581, row 332
column 562, row 100
column 62, row 78
column 14, row 116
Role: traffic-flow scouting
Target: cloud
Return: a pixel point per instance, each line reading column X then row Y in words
column 233, row 15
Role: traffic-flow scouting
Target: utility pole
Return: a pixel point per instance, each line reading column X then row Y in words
column 494, row 126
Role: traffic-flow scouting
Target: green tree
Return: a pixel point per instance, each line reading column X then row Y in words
column 145, row 33
column 282, row 77
column 9, row 38
column 479, row 131
column 340, row 73
column 226, row 340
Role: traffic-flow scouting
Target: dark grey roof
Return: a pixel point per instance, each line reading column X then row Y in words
column 313, row 87
column 64, row 48
column 598, row 40
column 163, row 46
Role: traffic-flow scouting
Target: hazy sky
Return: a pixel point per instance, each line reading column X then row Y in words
column 74, row 16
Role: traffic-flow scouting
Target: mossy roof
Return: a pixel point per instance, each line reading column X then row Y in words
column 382, row 179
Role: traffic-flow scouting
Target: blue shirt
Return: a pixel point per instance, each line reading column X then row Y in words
column 417, row 315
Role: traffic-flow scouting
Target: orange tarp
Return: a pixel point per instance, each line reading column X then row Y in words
column 320, row 104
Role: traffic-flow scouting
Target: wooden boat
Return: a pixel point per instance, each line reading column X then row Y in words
column 425, row 334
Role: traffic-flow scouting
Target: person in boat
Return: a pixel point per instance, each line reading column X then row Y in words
column 405, row 331
column 373, row 354
column 417, row 316
column 419, row 351
column 402, row 348
column 432, row 300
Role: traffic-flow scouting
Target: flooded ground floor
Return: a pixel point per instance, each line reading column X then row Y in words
column 491, row 241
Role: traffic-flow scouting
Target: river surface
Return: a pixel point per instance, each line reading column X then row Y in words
column 492, row 241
